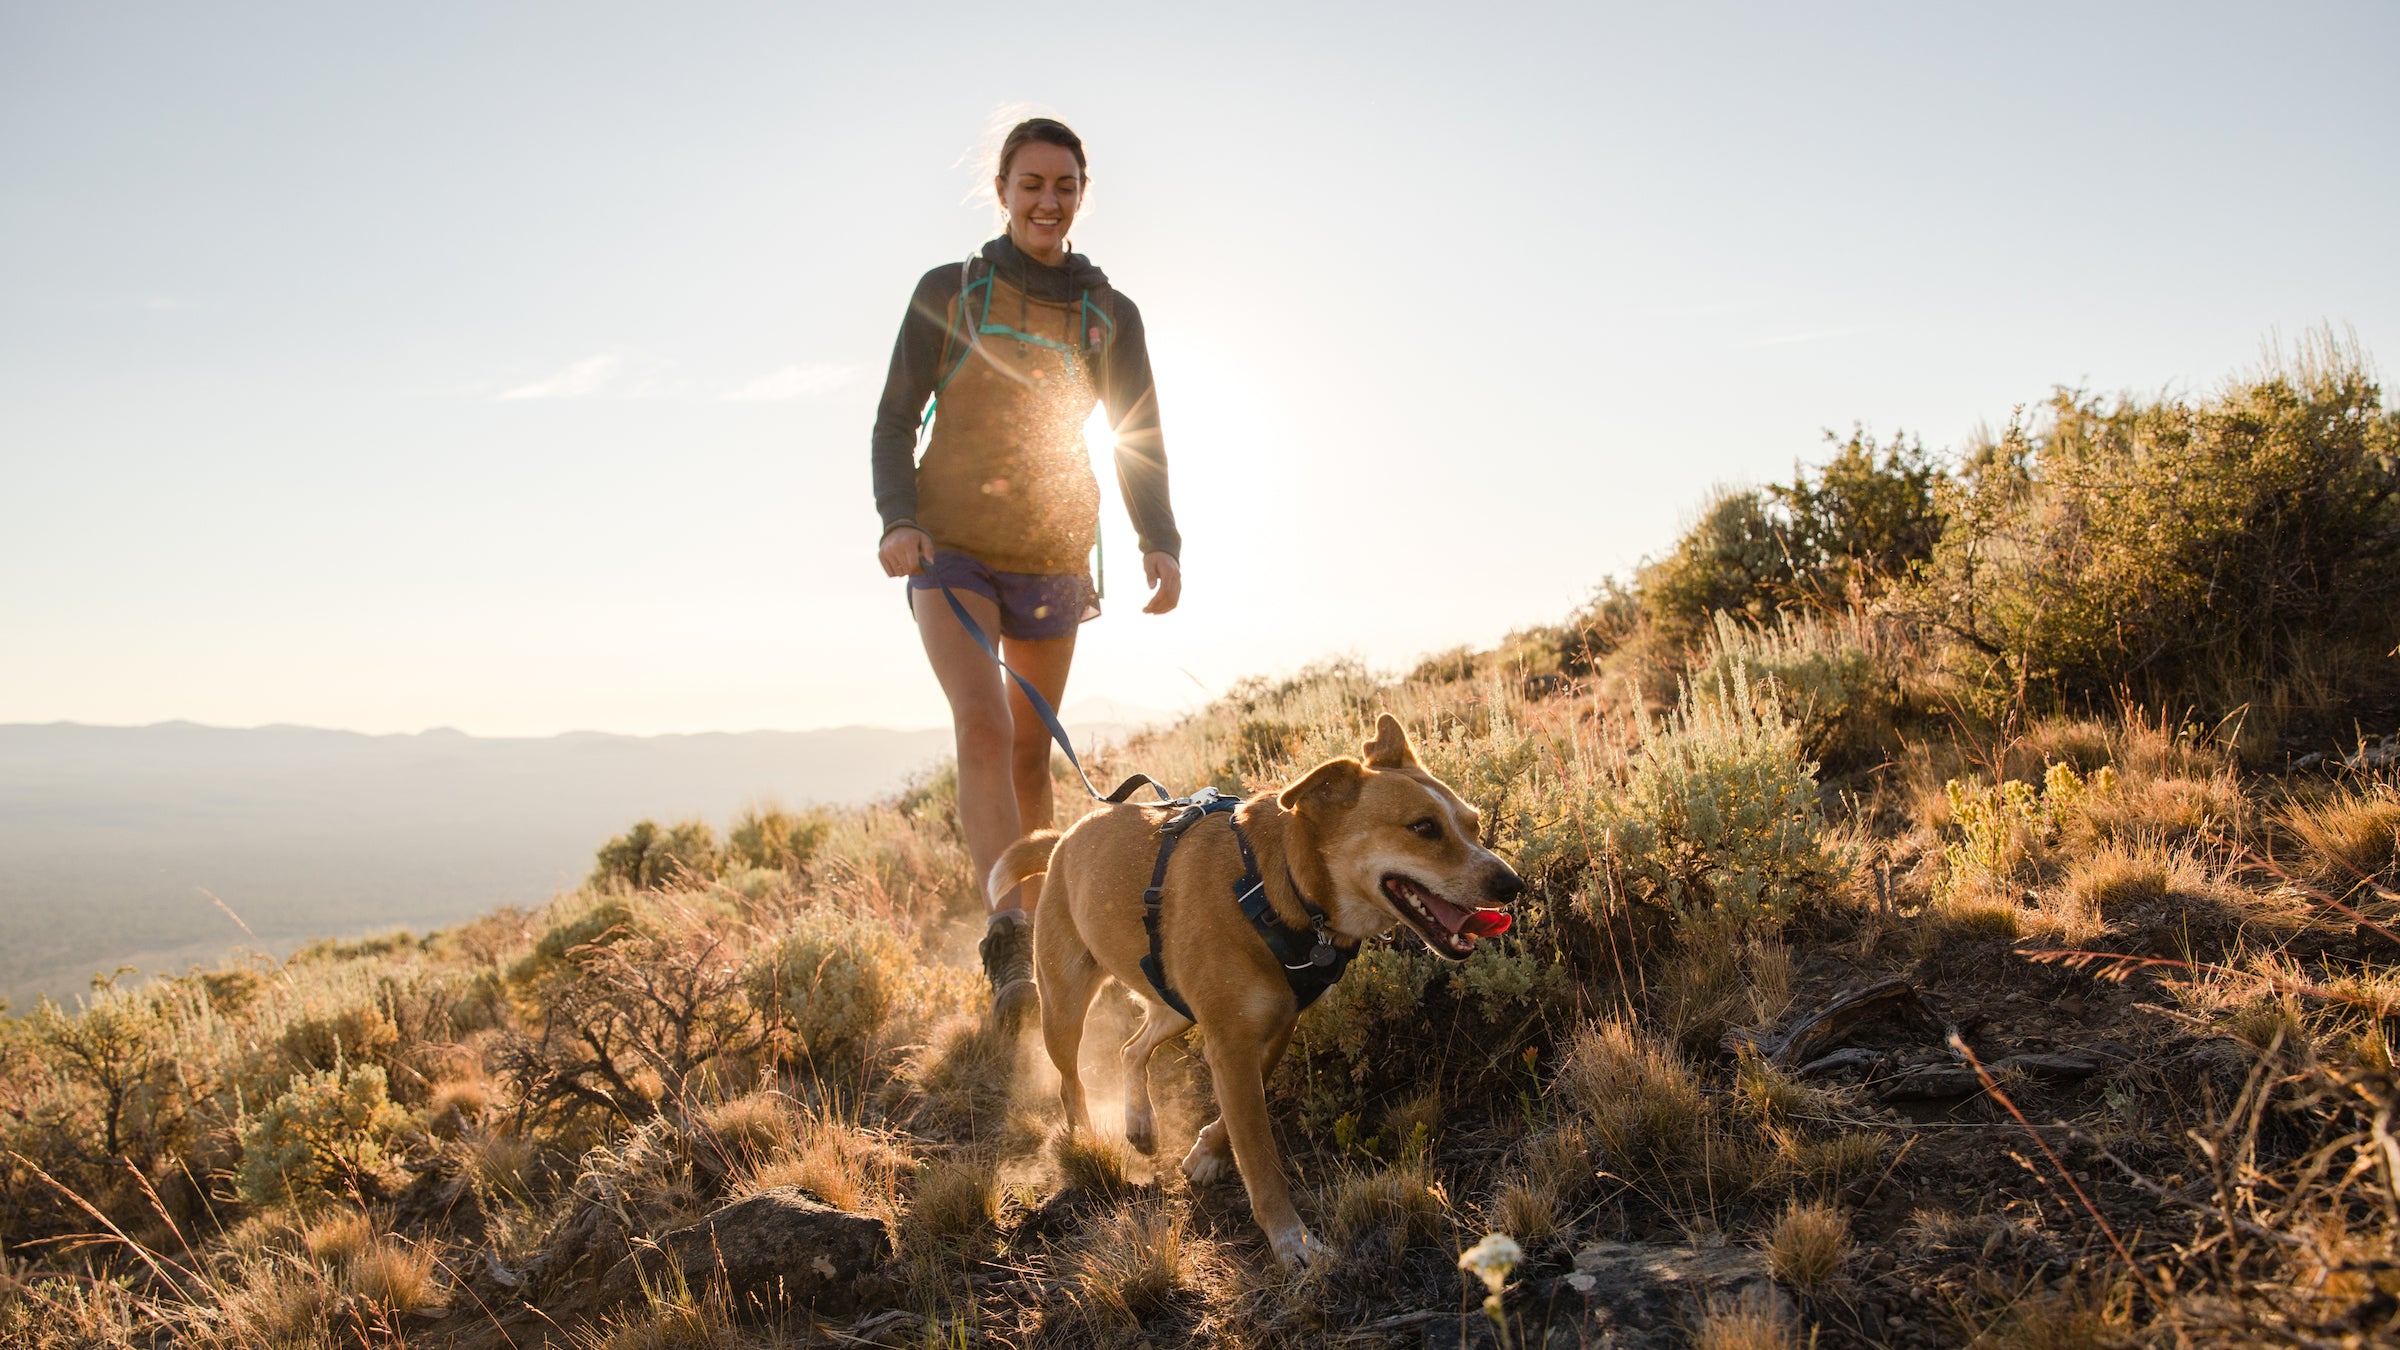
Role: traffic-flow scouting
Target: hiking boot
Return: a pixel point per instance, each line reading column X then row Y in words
column 1008, row 963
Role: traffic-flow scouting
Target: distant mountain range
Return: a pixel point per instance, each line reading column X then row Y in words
column 113, row 839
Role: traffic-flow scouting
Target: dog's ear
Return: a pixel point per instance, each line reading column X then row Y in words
column 1390, row 748
column 1332, row 783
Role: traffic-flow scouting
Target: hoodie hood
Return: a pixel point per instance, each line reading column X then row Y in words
column 1039, row 279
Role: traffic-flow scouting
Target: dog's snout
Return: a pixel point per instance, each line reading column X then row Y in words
column 1504, row 885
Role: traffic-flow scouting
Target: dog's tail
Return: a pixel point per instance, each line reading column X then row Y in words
column 1028, row 857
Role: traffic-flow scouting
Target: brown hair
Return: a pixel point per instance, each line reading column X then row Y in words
column 1047, row 131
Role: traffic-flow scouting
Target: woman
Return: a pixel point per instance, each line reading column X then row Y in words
column 1012, row 349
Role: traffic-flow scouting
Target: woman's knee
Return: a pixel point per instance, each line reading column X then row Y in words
column 1030, row 753
column 983, row 733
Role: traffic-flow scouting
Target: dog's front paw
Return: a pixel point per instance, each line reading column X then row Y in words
column 1141, row 1131
column 1298, row 1249
column 1205, row 1166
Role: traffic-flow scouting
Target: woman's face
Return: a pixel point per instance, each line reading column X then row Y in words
column 1041, row 190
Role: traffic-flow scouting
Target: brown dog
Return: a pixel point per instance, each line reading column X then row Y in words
column 1371, row 844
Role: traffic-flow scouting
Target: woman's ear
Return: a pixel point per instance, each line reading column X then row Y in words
column 1332, row 783
column 1390, row 748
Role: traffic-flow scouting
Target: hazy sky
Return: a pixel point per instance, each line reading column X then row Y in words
column 511, row 367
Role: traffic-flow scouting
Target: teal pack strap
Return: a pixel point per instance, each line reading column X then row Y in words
column 966, row 289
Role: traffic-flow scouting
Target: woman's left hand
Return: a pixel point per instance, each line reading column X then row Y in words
column 1165, row 576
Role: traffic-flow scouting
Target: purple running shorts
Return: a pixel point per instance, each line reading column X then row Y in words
column 1033, row 608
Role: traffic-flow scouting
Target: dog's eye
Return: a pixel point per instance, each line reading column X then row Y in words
column 1427, row 828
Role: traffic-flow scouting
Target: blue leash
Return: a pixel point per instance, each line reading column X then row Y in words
column 1043, row 710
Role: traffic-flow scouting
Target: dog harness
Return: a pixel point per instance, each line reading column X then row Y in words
column 1310, row 960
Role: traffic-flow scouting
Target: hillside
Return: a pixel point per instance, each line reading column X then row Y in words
column 108, row 835
column 1963, row 910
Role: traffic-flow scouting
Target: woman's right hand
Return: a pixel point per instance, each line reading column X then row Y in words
column 905, row 551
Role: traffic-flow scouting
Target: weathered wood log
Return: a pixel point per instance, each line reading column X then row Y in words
column 1892, row 1003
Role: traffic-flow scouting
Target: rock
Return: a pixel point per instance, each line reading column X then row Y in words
column 2380, row 755
column 1647, row 1296
column 777, row 1250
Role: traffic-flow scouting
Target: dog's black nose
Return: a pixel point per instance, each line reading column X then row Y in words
column 1505, row 886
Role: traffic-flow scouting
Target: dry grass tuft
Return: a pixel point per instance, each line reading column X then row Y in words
column 1401, row 1201
column 1641, row 1101
column 1752, row 1322
column 2079, row 742
column 2066, row 1319
column 1974, row 916
column 457, row 1105
column 2150, row 808
column 955, row 1199
column 1563, row 1156
column 671, row 1319
column 750, row 1127
column 962, row 1079
column 1830, row 1162
column 503, row 1162
column 396, row 1277
column 337, row 1238
column 1769, row 1094
column 1417, row 1118
column 277, row 1306
column 1527, row 1209
column 1134, row 1262
column 1092, row 1164
column 841, row 1163
column 2116, row 881
column 2347, row 838
column 2266, row 1018
column 1807, row 1244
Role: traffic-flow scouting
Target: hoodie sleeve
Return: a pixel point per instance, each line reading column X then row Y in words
column 915, row 369
column 1141, row 448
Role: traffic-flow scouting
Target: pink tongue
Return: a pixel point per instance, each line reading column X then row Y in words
column 1448, row 915
column 1487, row 923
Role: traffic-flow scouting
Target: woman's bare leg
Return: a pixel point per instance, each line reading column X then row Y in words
column 1045, row 662
column 980, row 722
column 998, row 795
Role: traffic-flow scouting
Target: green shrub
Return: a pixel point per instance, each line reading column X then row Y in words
column 2001, row 832
column 603, row 920
column 832, row 982
column 1721, row 811
column 2202, row 552
column 1736, row 557
column 329, row 1131
column 353, row 1034
column 770, row 837
column 647, row 857
column 1348, row 1034
column 1823, row 675
column 1867, row 517
column 1601, row 626
column 1862, row 522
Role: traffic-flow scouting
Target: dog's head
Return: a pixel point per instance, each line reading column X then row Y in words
column 1400, row 847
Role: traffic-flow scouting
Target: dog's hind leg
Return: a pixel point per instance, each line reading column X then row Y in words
column 1160, row 1024
column 1068, row 977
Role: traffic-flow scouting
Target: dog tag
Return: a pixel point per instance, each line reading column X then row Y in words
column 1324, row 953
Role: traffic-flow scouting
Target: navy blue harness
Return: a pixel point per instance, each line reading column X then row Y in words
column 1310, row 960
